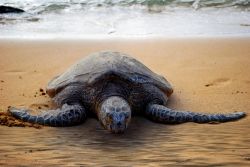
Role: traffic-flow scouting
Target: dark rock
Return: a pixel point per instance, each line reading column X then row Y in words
column 9, row 9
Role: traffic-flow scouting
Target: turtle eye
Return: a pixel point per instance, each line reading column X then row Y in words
column 127, row 115
column 109, row 115
column 111, row 108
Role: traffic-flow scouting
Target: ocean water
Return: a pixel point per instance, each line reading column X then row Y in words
column 126, row 18
column 144, row 144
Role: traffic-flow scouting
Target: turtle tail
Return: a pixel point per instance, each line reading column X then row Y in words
column 163, row 114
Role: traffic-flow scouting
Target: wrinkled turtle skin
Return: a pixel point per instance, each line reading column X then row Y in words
column 113, row 86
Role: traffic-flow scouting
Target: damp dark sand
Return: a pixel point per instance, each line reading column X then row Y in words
column 208, row 75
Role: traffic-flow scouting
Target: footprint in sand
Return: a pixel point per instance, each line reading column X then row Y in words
column 219, row 82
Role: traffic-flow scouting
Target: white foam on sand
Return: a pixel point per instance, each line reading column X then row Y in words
column 127, row 22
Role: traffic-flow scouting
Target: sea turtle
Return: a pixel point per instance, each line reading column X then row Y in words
column 113, row 86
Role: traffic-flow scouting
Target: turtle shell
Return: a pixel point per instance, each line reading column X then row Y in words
column 103, row 65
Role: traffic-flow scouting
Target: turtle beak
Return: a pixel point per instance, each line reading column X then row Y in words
column 120, row 122
column 117, row 122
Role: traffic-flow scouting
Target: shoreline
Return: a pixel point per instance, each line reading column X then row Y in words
column 98, row 37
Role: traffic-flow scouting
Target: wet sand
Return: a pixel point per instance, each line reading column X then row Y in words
column 208, row 75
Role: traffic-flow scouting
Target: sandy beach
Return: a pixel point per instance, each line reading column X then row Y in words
column 208, row 75
column 202, row 71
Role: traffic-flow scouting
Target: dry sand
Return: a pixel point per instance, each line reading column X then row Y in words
column 208, row 74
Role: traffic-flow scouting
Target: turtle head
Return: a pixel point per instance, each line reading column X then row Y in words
column 115, row 114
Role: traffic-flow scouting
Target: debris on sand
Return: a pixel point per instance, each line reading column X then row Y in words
column 7, row 120
column 41, row 90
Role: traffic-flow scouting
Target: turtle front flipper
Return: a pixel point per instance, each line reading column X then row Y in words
column 162, row 114
column 68, row 115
